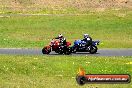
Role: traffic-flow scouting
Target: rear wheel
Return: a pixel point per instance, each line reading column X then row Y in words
column 93, row 49
column 64, row 50
column 60, row 50
column 68, row 51
column 46, row 50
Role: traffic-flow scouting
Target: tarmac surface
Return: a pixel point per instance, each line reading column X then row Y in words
column 100, row 52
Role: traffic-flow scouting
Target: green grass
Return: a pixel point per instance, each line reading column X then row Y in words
column 58, row 71
column 112, row 28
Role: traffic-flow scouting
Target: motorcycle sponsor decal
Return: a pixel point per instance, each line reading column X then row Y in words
column 83, row 78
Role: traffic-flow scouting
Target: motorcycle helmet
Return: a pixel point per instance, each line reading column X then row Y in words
column 86, row 35
column 60, row 36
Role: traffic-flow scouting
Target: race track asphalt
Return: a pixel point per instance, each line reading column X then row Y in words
column 101, row 52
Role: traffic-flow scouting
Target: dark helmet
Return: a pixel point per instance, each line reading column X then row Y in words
column 85, row 35
column 60, row 36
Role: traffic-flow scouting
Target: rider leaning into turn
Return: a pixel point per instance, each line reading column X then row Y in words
column 62, row 39
column 87, row 39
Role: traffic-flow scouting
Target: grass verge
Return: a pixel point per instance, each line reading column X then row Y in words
column 114, row 29
column 59, row 71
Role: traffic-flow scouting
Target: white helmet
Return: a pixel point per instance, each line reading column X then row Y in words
column 60, row 35
column 86, row 35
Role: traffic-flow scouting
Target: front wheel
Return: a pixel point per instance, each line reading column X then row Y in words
column 46, row 50
column 74, row 49
column 93, row 49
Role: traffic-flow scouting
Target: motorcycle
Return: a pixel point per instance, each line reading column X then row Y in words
column 80, row 46
column 55, row 46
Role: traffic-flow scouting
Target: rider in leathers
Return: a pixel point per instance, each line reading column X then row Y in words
column 62, row 40
column 87, row 39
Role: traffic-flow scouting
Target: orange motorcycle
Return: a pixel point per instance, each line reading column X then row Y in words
column 55, row 46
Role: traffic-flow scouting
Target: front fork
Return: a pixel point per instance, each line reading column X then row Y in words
column 89, row 48
column 74, row 49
